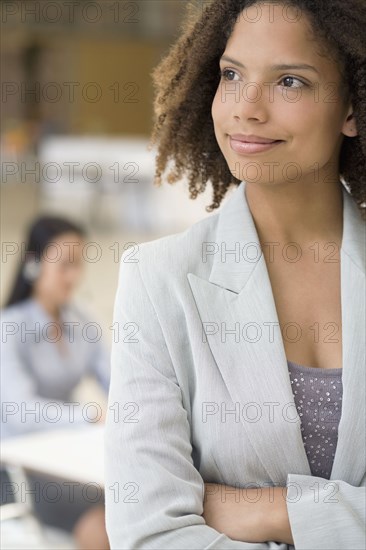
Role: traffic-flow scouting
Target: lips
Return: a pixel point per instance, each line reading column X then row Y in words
column 252, row 139
column 250, row 147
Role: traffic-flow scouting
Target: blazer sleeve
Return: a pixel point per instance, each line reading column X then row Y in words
column 326, row 514
column 153, row 492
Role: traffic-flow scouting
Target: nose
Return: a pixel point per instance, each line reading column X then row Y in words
column 253, row 103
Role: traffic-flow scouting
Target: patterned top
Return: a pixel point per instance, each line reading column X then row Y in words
column 318, row 399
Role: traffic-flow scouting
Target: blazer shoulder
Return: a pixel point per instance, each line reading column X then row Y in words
column 15, row 312
column 180, row 248
column 168, row 259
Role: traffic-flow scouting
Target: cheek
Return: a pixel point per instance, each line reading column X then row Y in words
column 309, row 115
column 318, row 125
column 49, row 270
column 292, row 114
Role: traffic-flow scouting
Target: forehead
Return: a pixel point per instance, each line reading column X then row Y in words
column 68, row 237
column 266, row 34
column 67, row 245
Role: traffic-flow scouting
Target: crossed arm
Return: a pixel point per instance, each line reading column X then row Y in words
column 248, row 515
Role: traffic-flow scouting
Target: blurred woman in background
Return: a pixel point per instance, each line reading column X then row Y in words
column 49, row 346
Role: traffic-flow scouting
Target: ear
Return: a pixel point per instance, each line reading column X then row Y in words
column 349, row 126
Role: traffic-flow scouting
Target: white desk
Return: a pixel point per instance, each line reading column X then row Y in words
column 73, row 454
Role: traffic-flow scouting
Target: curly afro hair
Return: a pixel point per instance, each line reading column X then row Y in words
column 186, row 80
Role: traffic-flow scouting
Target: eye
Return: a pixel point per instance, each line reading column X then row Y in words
column 225, row 74
column 292, row 79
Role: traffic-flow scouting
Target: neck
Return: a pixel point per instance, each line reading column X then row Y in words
column 297, row 213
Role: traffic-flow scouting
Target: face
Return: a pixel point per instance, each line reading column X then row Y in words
column 61, row 268
column 301, row 108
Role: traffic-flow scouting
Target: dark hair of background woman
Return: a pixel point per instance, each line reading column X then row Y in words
column 186, row 80
column 42, row 232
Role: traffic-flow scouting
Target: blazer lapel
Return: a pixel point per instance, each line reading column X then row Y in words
column 350, row 456
column 240, row 322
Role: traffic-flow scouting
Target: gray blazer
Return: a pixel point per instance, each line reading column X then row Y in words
column 181, row 384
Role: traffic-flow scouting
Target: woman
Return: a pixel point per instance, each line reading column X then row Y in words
column 48, row 346
column 236, row 434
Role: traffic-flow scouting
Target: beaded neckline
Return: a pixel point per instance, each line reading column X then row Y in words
column 314, row 370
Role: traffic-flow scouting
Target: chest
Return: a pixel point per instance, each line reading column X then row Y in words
column 307, row 295
column 56, row 361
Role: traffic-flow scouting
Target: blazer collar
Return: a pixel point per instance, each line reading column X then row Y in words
column 238, row 294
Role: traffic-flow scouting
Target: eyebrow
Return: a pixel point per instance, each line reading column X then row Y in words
column 281, row 67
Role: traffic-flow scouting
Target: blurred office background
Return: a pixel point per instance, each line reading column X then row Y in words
column 76, row 115
column 77, row 99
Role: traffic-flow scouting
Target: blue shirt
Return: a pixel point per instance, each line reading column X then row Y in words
column 38, row 376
